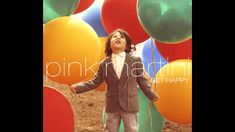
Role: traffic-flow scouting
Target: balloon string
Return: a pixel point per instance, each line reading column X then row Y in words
column 154, row 68
column 148, row 112
column 145, row 120
column 151, row 121
column 153, row 59
column 75, row 100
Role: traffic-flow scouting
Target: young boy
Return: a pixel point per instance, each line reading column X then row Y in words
column 122, row 72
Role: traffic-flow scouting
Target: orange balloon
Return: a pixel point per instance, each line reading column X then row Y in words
column 71, row 50
column 102, row 87
column 173, row 83
column 102, row 42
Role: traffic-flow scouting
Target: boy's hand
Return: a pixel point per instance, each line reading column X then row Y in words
column 72, row 88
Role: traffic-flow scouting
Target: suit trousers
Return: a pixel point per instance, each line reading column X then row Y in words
column 130, row 121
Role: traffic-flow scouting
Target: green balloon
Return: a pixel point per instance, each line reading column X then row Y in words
column 56, row 8
column 150, row 119
column 167, row 21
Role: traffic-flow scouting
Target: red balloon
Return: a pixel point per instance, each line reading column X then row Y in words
column 83, row 5
column 57, row 112
column 171, row 52
column 123, row 14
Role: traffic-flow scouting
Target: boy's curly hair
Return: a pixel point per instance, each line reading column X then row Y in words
column 108, row 51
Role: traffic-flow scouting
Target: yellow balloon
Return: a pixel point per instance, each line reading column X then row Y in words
column 173, row 83
column 71, row 50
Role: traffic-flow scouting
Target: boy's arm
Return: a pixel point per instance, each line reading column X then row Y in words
column 92, row 84
column 143, row 82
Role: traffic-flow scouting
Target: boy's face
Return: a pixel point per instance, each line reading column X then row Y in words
column 118, row 42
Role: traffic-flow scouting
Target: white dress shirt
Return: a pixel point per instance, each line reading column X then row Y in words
column 118, row 62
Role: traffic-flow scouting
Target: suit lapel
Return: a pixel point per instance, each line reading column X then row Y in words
column 110, row 69
column 126, row 68
column 125, row 71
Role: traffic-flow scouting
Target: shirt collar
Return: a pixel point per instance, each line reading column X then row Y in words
column 121, row 55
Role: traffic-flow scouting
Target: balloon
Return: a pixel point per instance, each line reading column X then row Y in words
column 174, row 87
column 57, row 112
column 139, row 48
column 102, row 87
column 168, row 21
column 92, row 17
column 43, row 28
column 56, row 8
column 158, row 62
column 171, row 52
column 150, row 119
column 71, row 50
column 122, row 14
column 102, row 42
column 83, row 5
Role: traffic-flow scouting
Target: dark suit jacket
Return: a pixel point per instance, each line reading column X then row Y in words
column 121, row 94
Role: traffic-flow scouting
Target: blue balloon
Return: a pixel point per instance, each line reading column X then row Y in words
column 158, row 62
column 93, row 18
